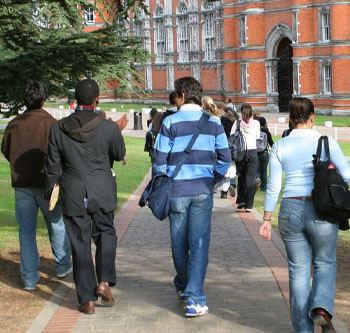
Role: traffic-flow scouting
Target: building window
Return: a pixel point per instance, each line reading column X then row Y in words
column 148, row 78
column 169, row 40
column 193, row 38
column 270, row 77
column 242, row 30
column 182, row 32
column 296, row 84
column 325, row 78
column 295, row 23
column 170, row 78
column 324, row 25
column 159, row 38
column 209, row 32
column 89, row 15
column 244, row 78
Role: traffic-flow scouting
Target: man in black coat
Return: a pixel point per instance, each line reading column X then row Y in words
column 81, row 152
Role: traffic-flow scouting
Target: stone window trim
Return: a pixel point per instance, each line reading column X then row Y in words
column 295, row 27
column 244, row 78
column 325, row 77
column 296, row 78
column 242, row 30
column 324, row 25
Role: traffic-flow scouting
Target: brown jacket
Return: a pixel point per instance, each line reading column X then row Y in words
column 25, row 145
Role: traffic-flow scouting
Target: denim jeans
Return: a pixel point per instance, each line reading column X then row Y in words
column 263, row 161
column 190, row 223
column 308, row 239
column 28, row 201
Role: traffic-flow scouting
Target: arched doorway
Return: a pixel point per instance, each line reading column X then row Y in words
column 284, row 73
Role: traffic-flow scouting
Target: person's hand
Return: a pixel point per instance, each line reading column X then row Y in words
column 265, row 230
column 124, row 160
column 122, row 122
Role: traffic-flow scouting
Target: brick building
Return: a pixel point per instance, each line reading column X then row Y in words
column 260, row 52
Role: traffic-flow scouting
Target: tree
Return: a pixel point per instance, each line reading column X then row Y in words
column 46, row 41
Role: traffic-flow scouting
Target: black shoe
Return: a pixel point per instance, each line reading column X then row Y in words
column 223, row 195
column 232, row 190
column 240, row 206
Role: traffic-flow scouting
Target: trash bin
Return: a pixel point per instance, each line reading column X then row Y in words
column 137, row 120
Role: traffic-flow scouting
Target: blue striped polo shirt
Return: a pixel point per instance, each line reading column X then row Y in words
column 197, row 173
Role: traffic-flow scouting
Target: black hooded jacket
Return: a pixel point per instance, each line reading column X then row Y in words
column 81, row 152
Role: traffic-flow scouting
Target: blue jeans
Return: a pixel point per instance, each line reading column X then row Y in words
column 303, row 233
column 28, row 201
column 190, row 222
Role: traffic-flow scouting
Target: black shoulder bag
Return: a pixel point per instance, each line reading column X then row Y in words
column 158, row 191
column 331, row 196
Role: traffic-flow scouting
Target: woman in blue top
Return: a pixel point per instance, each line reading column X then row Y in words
column 307, row 237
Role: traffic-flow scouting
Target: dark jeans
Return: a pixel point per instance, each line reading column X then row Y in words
column 246, row 180
column 80, row 231
column 263, row 161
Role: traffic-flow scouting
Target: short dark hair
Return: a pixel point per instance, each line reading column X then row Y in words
column 191, row 88
column 300, row 110
column 35, row 93
column 153, row 112
column 246, row 111
column 262, row 121
column 86, row 91
column 172, row 98
column 230, row 100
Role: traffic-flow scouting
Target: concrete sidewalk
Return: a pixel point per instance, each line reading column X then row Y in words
column 246, row 283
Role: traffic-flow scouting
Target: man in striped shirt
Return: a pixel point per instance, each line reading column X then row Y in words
column 192, row 196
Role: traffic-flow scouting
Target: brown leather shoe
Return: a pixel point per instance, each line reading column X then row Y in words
column 322, row 318
column 87, row 307
column 105, row 293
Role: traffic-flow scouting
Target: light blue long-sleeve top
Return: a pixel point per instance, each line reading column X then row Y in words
column 293, row 155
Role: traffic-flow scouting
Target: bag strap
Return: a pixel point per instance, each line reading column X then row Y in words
column 201, row 123
column 238, row 126
column 323, row 139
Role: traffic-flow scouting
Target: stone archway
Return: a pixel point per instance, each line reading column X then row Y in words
column 278, row 37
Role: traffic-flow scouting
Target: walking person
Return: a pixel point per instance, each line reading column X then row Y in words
column 25, row 146
column 84, row 146
column 310, row 240
column 247, row 168
column 263, row 156
column 191, row 200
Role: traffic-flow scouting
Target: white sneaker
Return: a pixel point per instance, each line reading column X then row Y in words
column 62, row 275
column 195, row 309
column 29, row 288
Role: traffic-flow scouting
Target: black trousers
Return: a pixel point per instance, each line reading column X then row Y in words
column 247, row 180
column 80, row 229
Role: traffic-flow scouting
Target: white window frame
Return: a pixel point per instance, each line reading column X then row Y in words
column 296, row 80
column 89, row 16
column 159, row 34
column 324, row 25
column 209, row 31
column 182, row 32
column 295, row 23
column 325, row 78
column 244, row 78
column 243, row 30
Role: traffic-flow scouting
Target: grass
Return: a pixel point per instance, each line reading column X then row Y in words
column 337, row 121
column 129, row 176
column 108, row 106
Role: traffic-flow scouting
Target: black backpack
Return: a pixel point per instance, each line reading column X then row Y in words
column 330, row 195
column 238, row 144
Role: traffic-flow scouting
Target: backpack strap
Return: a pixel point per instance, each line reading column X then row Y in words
column 201, row 124
column 323, row 139
column 238, row 126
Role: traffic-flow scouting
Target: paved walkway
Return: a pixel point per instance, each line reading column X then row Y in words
column 246, row 283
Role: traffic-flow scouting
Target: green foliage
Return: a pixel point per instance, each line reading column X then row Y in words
column 44, row 40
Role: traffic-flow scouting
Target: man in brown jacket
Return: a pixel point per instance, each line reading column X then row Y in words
column 25, row 145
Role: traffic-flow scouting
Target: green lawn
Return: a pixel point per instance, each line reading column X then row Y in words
column 108, row 106
column 129, row 176
column 337, row 121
